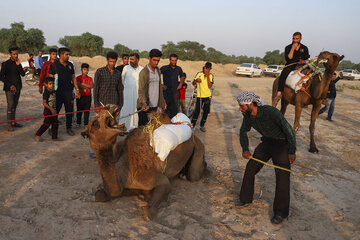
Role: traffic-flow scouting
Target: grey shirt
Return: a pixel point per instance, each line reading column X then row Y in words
column 153, row 87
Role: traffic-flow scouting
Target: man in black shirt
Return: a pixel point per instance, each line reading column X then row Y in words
column 11, row 72
column 330, row 98
column 171, row 74
column 125, row 60
column 64, row 85
column 294, row 52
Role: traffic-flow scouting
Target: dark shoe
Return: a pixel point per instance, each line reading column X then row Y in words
column 241, row 204
column 49, row 131
column 329, row 119
column 17, row 125
column 277, row 219
column 70, row 132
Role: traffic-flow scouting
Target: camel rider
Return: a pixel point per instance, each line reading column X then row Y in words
column 278, row 143
column 295, row 52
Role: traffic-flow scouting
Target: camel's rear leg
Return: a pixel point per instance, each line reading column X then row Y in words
column 159, row 194
column 197, row 162
column 314, row 115
column 275, row 99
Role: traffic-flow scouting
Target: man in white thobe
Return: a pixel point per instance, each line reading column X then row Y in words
column 130, row 78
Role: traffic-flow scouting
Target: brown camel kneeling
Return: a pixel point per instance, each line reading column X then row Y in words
column 315, row 91
column 133, row 164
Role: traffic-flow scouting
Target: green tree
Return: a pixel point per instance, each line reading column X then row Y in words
column 169, row 48
column 86, row 44
column 190, row 50
column 122, row 49
column 27, row 41
column 274, row 57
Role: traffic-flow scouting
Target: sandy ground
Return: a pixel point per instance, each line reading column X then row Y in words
column 47, row 189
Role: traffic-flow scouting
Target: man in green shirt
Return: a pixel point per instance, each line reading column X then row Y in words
column 278, row 143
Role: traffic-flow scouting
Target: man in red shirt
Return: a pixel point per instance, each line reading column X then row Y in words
column 85, row 84
column 45, row 69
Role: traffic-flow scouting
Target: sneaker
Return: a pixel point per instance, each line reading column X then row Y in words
column 70, row 132
column 203, row 129
column 277, row 219
column 17, row 125
column 38, row 139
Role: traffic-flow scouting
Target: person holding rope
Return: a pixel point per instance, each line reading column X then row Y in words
column 294, row 53
column 204, row 81
column 278, row 143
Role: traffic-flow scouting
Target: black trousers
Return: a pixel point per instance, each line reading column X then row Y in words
column 172, row 102
column 203, row 103
column 83, row 103
column 284, row 74
column 278, row 151
column 49, row 121
column 12, row 99
column 66, row 98
column 143, row 118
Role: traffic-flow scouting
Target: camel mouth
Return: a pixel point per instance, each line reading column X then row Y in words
column 111, row 122
column 323, row 60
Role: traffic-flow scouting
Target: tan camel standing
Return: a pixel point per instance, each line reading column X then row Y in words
column 132, row 164
column 314, row 93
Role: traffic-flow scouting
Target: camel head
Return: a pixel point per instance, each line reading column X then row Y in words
column 330, row 60
column 103, row 129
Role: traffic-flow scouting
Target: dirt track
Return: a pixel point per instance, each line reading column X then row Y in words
column 47, row 189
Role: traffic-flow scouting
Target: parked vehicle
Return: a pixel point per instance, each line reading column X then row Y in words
column 249, row 69
column 31, row 78
column 25, row 64
column 273, row 70
column 350, row 74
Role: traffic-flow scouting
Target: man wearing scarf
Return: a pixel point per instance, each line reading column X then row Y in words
column 278, row 143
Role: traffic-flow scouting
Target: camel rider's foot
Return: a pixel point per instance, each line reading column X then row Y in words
column 203, row 129
column 277, row 219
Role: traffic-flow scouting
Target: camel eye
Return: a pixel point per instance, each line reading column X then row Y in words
column 95, row 124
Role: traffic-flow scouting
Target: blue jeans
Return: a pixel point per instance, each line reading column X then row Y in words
column 331, row 108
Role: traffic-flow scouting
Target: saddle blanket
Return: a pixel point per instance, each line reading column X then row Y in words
column 293, row 79
column 168, row 136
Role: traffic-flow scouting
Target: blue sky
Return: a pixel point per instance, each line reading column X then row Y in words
column 234, row 27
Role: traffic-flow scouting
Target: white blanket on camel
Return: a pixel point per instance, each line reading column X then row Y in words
column 168, row 136
column 293, row 79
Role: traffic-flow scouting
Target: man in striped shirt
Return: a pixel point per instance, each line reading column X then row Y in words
column 278, row 143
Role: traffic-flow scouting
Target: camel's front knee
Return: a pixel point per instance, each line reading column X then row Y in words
column 102, row 196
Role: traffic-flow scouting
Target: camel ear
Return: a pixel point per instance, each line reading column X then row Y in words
column 341, row 58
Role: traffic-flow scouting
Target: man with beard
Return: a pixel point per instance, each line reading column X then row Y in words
column 294, row 52
column 278, row 143
column 171, row 74
column 130, row 79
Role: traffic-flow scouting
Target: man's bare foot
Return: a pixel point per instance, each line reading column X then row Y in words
column 38, row 139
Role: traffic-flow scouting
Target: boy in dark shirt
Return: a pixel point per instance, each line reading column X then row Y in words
column 85, row 84
column 49, row 103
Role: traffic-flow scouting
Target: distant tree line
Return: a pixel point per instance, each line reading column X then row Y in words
column 87, row 44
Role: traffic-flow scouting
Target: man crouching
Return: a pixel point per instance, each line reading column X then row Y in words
column 278, row 143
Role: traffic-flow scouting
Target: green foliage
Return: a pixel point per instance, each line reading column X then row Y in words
column 274, row 57
column 346, row 64
column 106, row 50
column 46, row 49
column 28, row 41
column 86, row 44
column 144, row 54
column 122, row 49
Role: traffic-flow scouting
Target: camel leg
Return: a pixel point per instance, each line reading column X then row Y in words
column 298, row 110
column 159, row 194
column 275, row 99
column 284, row 105
column 197, row 162
column 314, row 115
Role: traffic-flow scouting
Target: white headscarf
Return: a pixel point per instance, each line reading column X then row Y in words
column 249, row 97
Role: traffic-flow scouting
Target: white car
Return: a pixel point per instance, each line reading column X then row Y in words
column 273, row 70
column 350, row 74
column 249, row 69
column 25, row 64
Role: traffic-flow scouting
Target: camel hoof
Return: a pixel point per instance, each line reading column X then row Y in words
column 149, row 213
column 313, row 150
column 101, row 196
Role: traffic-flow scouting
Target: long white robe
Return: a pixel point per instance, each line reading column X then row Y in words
column 130, row 79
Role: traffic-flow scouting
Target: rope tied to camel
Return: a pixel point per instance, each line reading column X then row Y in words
column 149, row 128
